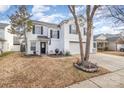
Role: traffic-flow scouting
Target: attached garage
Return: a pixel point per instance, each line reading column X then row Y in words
column 75, row 48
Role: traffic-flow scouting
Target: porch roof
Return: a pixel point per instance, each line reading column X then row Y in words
column 1, row 39
column 43, row 37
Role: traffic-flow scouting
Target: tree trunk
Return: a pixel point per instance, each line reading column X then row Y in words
column 80, row 39
column 88, row 41
column 89, row 27
column 72, row 9
column 25, row 37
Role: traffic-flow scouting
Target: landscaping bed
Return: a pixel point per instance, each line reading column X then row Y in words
column 18, row 71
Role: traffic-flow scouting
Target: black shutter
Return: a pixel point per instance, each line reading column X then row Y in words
column 84, row 31
column 51, row 33
column 33, row 29
column 58, row 34
column 70, row 29
column 41, row 29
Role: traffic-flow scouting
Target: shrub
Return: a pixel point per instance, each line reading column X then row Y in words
column 6, row 53
column 67, row 53
column 61, row 53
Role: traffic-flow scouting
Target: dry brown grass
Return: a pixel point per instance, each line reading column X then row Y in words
column 117, row 53
column 17, row 71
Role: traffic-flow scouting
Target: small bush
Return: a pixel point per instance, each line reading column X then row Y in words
column 67, row 53
column 61, row 53
column 5, row 53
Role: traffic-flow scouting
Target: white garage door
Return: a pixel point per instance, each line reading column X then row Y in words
column 74, row 47
column 119, row 46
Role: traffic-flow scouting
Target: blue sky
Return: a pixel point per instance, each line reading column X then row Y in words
column 57, row 13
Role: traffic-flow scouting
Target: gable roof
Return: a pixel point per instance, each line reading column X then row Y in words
column 109, row 37
column 112, row 39
column 120, row 41
column 3, row 25
column 45, row 23
column 100, row 37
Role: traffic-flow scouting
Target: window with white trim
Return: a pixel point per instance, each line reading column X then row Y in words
column 2, row 33
column 33, row 46
column 54, row 34
column 72, row 29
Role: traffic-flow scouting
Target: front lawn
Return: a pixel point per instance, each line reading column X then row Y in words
column 46, row 71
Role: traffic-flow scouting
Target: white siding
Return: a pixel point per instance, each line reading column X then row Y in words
column 9, row 40
column 73, row 37
column 112, row 46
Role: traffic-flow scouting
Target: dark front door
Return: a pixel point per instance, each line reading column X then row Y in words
column 42, row 47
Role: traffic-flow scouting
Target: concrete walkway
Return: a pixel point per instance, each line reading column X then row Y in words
column 114, row 79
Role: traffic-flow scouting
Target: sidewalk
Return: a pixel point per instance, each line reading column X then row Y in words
column 111, row 80
column 115, row 79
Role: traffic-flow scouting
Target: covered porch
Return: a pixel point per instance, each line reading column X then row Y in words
column 102, row 45
column 39, row 46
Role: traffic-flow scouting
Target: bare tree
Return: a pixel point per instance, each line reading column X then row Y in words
column 72, row 9
column 89, row 14
column 85, row 64
column 117, row 12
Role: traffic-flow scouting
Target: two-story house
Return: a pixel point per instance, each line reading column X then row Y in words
column 45, row 38
column 7, row 39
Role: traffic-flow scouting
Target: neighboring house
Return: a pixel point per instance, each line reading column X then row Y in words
column 6, row 38
column 46, row 37
column 109, row 42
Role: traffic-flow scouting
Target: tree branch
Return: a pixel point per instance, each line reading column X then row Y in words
column 94, row 9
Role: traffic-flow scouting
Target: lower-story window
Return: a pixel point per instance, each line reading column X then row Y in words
column 33, row 46
column 94, row 45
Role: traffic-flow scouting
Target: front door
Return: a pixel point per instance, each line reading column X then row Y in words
column 42, row 47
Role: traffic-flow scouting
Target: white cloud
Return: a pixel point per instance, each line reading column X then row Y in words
column 105, row 30
column 4, row 8
column 4, row 21
column 80, row 9
column 40, row 8
column 54, row 18
column 39, row 13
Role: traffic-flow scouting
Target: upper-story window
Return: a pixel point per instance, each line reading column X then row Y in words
column 16, row 40
column 84, row 31
column 2, row 33
column 54, row 34
column 72, row 29
column 37, row 29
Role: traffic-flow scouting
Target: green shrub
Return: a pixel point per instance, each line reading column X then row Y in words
column 5, row 53
column 67, row 53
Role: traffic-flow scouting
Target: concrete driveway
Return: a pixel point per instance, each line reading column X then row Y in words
column 107, row 61
column 111, row 80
